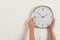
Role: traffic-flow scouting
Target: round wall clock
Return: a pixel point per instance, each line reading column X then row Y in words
column 43, row 16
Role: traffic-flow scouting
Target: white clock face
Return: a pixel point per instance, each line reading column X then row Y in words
column 43, row 16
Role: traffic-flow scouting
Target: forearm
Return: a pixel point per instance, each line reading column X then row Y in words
column 31, row 37
column 52, row 35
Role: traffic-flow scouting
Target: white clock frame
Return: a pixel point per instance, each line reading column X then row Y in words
column 49, row 9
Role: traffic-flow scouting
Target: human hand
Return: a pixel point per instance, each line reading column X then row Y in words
column 31, row 27
column 31, row 23
column 52, row 25
column 52, row 35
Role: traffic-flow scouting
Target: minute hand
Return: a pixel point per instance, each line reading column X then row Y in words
column 39, row 14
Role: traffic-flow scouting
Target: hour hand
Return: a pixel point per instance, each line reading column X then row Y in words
column 45, row 15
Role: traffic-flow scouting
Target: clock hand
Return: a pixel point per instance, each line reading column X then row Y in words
column 45, row 15
column 39, row 14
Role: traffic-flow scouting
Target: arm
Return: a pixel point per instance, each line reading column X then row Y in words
column 52, row 35
column 31, row 27
column 51, row 31
column 32, row 35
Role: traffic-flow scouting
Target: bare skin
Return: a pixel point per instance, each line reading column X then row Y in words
column 32, row 26
column 51, row 31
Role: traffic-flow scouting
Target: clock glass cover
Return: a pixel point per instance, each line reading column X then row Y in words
column 43, row 16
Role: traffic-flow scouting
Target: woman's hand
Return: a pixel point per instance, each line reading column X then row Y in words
column 52, row 35
column 52, row 25
column 31, row 23
column 31, row 27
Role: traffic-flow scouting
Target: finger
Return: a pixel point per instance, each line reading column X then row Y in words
column 31, row 20
column 53, row 22
column 52, row 25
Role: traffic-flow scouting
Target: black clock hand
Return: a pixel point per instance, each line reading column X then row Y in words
column 45, row 15
column 39, row 14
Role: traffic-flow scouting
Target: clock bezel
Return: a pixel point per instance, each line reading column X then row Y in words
column 49, row 9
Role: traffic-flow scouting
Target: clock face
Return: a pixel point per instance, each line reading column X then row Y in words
column 43, row 16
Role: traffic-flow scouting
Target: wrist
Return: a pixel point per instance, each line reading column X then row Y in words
column 50, row 29
column 31, row 29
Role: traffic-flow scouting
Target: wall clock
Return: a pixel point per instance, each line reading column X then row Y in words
column 43, row 16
